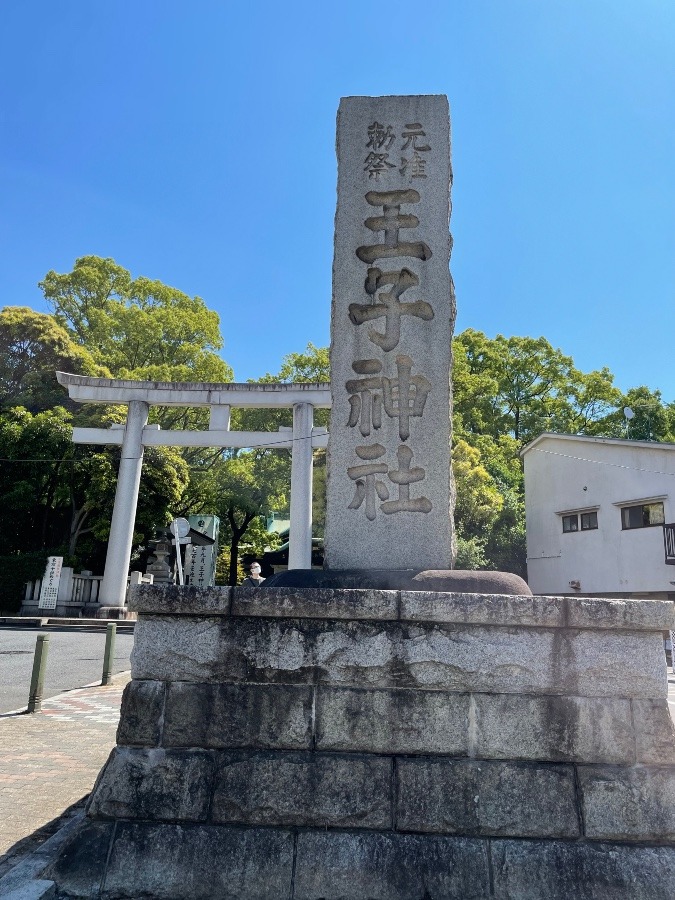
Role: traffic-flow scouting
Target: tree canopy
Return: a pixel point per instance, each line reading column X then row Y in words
column 33, row 346
column 507, row 390
column 137, row 327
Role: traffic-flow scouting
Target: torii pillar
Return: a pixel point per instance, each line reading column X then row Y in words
column 113, row 590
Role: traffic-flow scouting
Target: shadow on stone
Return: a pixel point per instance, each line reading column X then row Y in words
column 447, row 580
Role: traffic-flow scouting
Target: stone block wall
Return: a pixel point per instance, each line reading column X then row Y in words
column 357, row 745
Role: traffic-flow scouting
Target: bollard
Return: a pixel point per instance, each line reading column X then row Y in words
column 109, row 655
column 37, row 679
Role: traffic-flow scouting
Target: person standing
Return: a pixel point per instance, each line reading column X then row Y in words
column 254, row 578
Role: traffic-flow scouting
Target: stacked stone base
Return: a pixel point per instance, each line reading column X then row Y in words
column 385, row 745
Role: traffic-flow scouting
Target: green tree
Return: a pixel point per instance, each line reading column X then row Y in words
column 523, row 386
column 648, row 417
column 33, row 347
column 138, row 328
column 247, row 487
column 57, row 495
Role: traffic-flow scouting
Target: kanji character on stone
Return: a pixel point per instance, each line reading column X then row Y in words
column 413, row 167
column 389, row 306
column 365, row 401
column 368, row 487
column 377, row 164
column 380, row 136
column 404, row 476
column 403, row 397
column 412, row 133
column 391, row 222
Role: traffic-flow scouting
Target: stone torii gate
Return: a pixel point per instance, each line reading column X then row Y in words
column 136, row 434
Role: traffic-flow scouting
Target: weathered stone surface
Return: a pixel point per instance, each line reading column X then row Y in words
column 157, row 784
column 173, row 648
column 33, row 890
column 392, row 318
column 482, row 609
column 141, row 714
column 391, row 654
column 554, row 870
column 392, row 721
column 80, row 866
column 470, row 582
column 636, row 804
column 238, row 715
column 631, row 615
column 558, row 729
column 654, row 732
column 343, row 866
column 316, row 603
column 486, row 798
column 181, row 600
column 198, row 862
column 611, row 664
column 303, row 789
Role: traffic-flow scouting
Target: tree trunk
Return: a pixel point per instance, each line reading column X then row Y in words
column 238, row 531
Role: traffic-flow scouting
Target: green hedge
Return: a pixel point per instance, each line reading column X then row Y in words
column 16, row 571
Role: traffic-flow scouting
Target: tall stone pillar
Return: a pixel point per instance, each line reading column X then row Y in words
column 300, row 536
column 390, row 492
column 114, row 584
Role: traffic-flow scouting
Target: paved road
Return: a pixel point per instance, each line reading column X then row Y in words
column 75, row 658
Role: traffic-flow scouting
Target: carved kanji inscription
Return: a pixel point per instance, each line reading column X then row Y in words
column 391, row 222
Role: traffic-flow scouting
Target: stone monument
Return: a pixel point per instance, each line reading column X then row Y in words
column 369, row 744
column 389, row 492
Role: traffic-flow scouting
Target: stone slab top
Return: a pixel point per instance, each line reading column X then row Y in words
column 407, row 606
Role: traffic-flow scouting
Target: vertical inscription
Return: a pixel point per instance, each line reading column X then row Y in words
column 391, row 403
column 404, row 396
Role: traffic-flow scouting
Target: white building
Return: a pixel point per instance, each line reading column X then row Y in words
column 595, row 510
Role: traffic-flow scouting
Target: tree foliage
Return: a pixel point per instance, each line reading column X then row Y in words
column 33, row 347
column 507, row 390
column 523, row 386
column 137, row 327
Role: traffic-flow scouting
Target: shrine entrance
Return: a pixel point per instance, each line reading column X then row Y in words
column 136, row 434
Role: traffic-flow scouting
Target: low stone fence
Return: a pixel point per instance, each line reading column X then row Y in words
column 386, row 745
column 77, row 592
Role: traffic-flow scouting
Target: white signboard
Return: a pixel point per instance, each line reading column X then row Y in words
column 200, row 565
column 49, row 591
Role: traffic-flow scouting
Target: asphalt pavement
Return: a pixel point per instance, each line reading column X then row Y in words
column 75, row 658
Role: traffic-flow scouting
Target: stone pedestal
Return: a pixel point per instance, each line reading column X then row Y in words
column 385, row 745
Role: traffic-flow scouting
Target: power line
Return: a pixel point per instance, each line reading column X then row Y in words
column 602, row 462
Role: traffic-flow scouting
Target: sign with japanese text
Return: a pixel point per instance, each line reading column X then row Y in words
column 389, row 493
column 49, row 589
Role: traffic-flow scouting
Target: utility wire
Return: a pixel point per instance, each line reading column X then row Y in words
column 602, row 462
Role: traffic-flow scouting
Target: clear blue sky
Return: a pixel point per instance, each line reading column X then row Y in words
column 194, row 142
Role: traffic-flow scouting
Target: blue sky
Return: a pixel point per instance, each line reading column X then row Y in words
column 194, row 143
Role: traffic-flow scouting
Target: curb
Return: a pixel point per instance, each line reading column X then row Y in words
column 22, row 879
column 22, row 710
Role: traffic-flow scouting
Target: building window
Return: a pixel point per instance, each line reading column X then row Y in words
column 643, row 515
column 589, row 521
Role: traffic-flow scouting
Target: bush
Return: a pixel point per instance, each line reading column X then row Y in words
column 16, row 570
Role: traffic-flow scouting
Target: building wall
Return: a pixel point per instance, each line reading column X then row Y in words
column 564, row 473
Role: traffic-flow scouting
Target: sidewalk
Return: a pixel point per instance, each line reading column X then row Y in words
column 49, row 761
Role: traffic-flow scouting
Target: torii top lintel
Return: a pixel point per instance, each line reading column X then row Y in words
column 85, row 389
